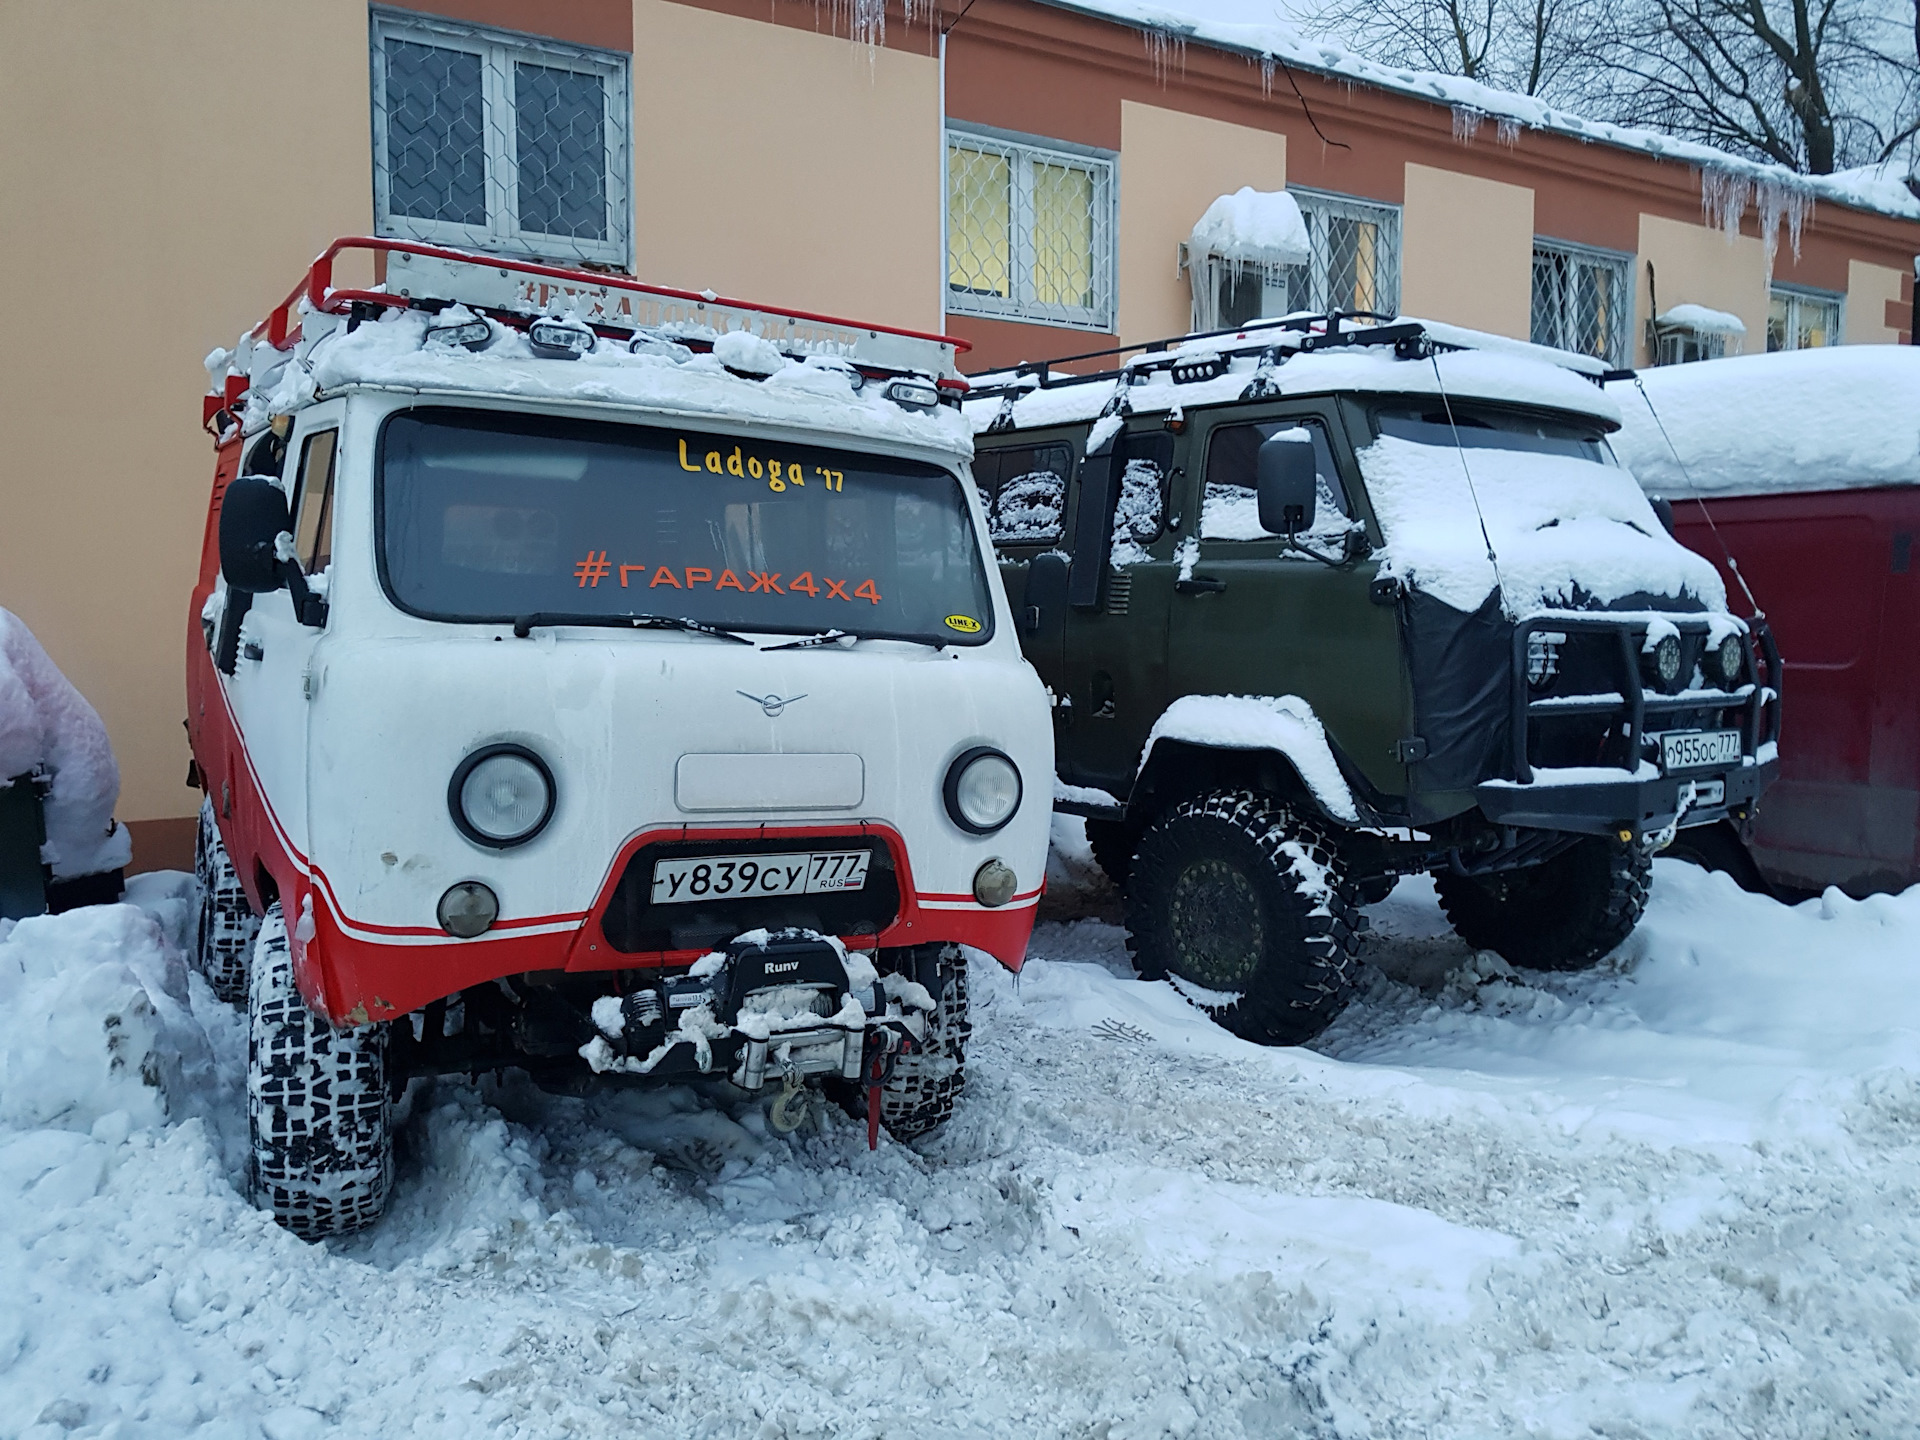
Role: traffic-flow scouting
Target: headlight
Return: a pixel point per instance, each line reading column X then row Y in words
column 501, row 795
column 982, row 790
column 1662, row 662
column 1726, row 662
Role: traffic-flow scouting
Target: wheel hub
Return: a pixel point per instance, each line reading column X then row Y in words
column 1215, row 926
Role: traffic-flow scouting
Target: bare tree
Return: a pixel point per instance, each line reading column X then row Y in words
column 1536, row 47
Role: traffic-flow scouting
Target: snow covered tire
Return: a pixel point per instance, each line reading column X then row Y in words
column 318, row 1109
column 223, row 941
column 1565, row 914
column 919, row 1097
column 1247, row 908
column 1112, row 848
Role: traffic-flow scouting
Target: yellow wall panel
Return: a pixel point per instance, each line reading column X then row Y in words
column 1467, row 251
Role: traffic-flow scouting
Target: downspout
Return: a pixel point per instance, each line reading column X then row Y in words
column 941, row 249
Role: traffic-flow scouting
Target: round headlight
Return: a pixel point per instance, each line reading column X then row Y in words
column 982, row 790
column 1726, row 661
column 1663, row 662
column 501, row 795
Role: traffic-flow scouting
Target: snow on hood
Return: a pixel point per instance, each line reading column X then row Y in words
column 1834, row 419
column 815, row 395
column 1255, row 227
column 1565, row 532
column 1503, row 374
column 46, row 723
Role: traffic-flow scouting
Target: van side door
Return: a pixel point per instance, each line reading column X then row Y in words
column 1255, row 617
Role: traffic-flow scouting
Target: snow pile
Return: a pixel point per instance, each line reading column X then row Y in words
column 47, row 724
column 1285, row 723
column 1566, row 533
column 1832, row 419
column 1253, row 227
column 812, row 395
column 1701, row 320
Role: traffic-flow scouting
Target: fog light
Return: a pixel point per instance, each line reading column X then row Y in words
column 912, row 394
column 1662, row 662
column 559, row 339
column 1727, row 662
column 467, row 335
column 468, row 909
column 994, row 883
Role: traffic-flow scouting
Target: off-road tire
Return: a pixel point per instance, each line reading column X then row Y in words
column 1565, row 914
column 1247, row 908
column 1112, row 847
column 919, row 1096
column 318, row 1108
column 224, row 938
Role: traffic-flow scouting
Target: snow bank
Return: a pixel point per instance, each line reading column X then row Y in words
column 814, row 395
column 1831, row 419
column 1566, row 532
column 1285, row 723
column 1253, row 227
column 45, row 722
column 1700, row 319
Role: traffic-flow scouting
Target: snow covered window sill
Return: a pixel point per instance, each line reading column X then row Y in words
column 1030, row 230
column 495, row 141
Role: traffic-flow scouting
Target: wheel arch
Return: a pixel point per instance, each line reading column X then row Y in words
column 1212, row 742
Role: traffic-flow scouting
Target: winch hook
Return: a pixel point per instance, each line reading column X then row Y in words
column 789, row 1109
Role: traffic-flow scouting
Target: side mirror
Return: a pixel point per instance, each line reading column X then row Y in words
column 1286, row 481
column 253, row 514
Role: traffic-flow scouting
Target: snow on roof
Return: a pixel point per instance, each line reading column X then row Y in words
column 1874, row 187
column 1701, row 320
column 1255, row 227
column 1833, row 419
column 1507, row 372
column 814, row 395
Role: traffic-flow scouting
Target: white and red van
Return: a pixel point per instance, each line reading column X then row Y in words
column 601, row 680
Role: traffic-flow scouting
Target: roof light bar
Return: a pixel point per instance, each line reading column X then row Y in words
column 559, row 339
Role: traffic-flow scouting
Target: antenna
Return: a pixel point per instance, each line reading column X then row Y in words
column 1461, row 450
column 1719, row 539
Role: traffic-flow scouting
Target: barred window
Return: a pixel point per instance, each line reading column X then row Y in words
column 1029, row 232
column 1582, row 299
column 1355, row 265
column 1802, row 319
column 496, row 141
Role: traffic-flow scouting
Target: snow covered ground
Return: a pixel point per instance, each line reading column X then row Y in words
column 1671, row 1197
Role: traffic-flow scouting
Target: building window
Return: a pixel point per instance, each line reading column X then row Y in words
column 1802, row 319
column 1029, row 231
column 497, row 141
column 1355, row 266
column 1582, row 299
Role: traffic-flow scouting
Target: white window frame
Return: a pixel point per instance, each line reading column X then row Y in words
column 1796, row 295
column 1208, row 273
column 499, row 51
column 1022, row 151
column 1620, row 262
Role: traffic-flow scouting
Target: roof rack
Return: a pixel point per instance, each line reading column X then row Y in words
column 1272, row 340
column 516, row 292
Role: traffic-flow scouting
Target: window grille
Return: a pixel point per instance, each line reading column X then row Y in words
column 1802, row 319
column 1582, row 300
column 1355, row 265
column 1029, row 232
column 495, row 141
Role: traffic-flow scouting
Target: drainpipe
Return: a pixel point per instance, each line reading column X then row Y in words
column 941, row 249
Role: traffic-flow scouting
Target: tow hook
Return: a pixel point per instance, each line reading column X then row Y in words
column 879, row 1071
column 789, row 1108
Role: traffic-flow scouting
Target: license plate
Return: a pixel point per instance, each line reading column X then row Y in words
column 726, row 877
column 1699, row 749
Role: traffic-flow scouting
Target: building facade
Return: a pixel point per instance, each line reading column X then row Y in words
column 1024, row 175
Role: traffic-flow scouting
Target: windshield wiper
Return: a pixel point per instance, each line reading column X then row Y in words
column 523, row 624
column 830, row 637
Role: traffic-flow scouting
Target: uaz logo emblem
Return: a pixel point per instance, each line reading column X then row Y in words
column 771, row 704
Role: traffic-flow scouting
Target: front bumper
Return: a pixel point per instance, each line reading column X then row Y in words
column 1629, row 807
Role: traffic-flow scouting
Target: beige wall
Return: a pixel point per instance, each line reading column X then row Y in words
column 1172, row 166
column 167, row 172
column 1699, row 265
column 1466, row 251
column 784, row 166
column 1869, row 288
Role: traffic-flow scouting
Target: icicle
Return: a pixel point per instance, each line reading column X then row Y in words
column 1507, row 131
column 1268, row 65
column 1724, row 198
column 1165, row 47
column 1466, row 123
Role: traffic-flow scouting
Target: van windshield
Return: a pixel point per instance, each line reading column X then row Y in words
column 486, row 517
column 1487, row 428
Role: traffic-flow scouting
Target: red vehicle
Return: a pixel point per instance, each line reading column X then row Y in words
column 1804, row 468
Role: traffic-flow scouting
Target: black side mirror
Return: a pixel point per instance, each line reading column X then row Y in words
column 1287, row 481
column 253, row 514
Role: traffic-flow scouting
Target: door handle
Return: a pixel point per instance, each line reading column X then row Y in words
column 1200, row 585
column 252, row 651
